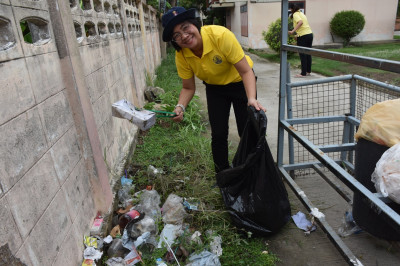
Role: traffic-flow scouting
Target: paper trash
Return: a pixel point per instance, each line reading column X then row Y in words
column 143, row 119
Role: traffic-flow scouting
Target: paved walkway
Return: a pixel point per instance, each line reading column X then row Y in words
column 291, row 245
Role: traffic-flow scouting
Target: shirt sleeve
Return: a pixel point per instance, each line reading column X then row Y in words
column 296, row 18
column 183, row 68
column 230, row 47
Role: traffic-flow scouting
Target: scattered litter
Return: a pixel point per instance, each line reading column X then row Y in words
column 143, row 119
column 92, row 253
column 125, row 210
column 149, row 203
column 124, row 194
column 136, row 226
column 173, row 211
column 126, row 181
column 301, row 222
column 169, row 248
column 215, row 245
column 96, row 227
column 191, row 204
column 88, row 262
column 127, row 217
column 108, row 239
column 132, row 258
column 316, row 213
column 115, row 231
column 142, row 239
column 160, row 262
column 127, row 242
column 147, row 224
column 348, row 226
column 90, row 241
column 154, row 172
column 169, row 233
column 117, row 249
column 117, row 261
column 204, row 258
column 196, row 237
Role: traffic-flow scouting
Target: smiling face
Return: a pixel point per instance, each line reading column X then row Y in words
column 186, row 35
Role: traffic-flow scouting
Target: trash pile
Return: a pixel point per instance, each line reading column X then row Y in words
column 142, row 229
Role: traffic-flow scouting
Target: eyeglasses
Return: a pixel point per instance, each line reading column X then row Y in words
column 177, row 37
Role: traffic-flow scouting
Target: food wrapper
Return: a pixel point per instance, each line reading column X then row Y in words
column 142, row 118
column 90, row 241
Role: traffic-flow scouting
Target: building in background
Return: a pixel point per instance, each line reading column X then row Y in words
column 248, row 19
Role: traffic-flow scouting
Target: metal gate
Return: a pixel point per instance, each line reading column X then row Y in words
column 319, row 118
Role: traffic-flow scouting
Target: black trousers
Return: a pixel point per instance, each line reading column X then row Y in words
column 219, row 101
column 305, row 41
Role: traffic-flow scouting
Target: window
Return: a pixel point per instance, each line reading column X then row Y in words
column 35, row 30
column 244, row 21
column 7, row 39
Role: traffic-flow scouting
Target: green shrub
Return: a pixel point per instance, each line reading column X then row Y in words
column 273, row 36
column 347, row 24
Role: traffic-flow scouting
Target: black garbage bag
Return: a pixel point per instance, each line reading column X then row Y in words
column 253, row 190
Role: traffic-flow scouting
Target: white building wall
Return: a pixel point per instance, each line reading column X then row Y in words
column 379, row 15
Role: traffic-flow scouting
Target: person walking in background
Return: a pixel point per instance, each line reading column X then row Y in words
column 214, row 55
column 304, row 37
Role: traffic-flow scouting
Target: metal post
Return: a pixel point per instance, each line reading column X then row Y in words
column 353, row 103
column 289, row 116
column 283, row 79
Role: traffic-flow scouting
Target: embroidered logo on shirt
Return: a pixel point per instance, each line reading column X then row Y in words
column 217, row 59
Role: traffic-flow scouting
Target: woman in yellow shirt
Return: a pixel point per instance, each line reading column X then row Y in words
column 304, row 37
column 213, row 54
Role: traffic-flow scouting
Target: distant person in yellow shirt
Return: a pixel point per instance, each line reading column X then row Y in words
column 213, row 54
column 304, row 37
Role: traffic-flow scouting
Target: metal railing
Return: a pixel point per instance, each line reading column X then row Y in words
column 320, row 118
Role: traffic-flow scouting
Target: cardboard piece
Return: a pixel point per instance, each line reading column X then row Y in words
column 142, row 118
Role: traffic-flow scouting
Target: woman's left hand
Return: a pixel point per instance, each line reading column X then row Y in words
column 256, row 104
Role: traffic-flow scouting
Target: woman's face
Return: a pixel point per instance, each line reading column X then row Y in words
column 186, row 35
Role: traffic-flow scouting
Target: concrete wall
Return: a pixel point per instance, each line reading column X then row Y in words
column 379, row 16
column 60, row 148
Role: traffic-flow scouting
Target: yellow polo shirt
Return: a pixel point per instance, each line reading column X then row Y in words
column 305, row 27
column 221, row 50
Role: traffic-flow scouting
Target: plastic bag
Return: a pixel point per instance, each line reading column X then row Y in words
column 348, row 226
column 253, row 190
column 149, row 203
column 380, row 123
column 204, row 258
column 387, row 174
column 173, row 211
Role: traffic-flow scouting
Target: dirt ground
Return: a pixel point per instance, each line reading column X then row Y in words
column 291, row 245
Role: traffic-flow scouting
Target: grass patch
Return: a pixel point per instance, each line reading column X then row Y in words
column 326, row 67
column 183, row 152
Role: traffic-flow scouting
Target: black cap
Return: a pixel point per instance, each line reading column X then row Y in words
column 173, row 17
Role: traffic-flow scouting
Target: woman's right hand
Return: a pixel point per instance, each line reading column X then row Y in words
column 179, row 114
